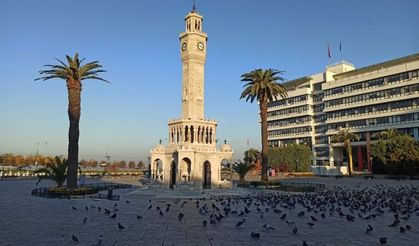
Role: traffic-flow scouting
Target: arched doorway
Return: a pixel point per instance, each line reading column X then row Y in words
column 157, row 170
column 185, row 169
column 172, row 174
column 206, row 175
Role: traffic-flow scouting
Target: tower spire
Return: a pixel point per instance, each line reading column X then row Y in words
column 194, row 6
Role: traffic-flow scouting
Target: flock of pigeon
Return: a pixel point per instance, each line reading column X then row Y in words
column 293, row 214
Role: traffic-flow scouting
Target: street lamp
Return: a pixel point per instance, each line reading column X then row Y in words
column 298, row 165
column 4, row 162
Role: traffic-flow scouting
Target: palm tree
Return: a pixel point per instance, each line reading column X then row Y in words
column 55, row 170
column 345, row 136
column 262, row 85
column 242, row 168
column 73, row 73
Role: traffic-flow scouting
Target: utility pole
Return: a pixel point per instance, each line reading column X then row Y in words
column 36, row 154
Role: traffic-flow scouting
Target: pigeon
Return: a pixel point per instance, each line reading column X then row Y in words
column 213, row 221
column 305, row 243
column 240, row 223
column 369, row 229
column 408, row 227
column 301, row 214
column 99, row 209
column 323, row 215
column 127, row 201
column 107, row 211
column 84, row 220
column 139, row 217
column 150, row 206
column 283, row 216
column 74, row 208
column 113, row 216
column 295, row 230
column 86, row 208
column 350, row 218
column 180, row 216
column 402, row 229
column 383, row 240
column 310, row 224
column 204, row 223
column 75, row 239
column 290, row 222
column 255, row 235
column 120, row 227
column 313, row 218
column 268, row 227
column 161, row 213
column 99, row 242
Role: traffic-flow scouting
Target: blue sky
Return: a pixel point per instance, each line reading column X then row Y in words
column 138, row 43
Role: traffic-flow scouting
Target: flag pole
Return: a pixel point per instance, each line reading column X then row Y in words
column 329, row 53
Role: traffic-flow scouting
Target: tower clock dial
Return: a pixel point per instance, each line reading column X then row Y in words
column 184, row 46
column 200, row 46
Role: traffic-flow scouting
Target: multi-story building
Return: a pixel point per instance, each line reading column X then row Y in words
column 367, row 100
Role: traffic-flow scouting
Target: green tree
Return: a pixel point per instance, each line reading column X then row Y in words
column 262, row 86
column 345, row 136
column 73, row 73
column 140, row 165
column 291, row 157
column 395, row 153
column 242, row 168
column 55, row 170
column 131, row 164
column 252, row 156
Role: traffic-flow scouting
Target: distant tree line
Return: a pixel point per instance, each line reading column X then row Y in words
column 10, row 159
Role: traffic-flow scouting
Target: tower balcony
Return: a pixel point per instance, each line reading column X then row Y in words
column 192, row 132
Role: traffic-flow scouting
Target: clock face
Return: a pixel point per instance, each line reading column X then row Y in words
column 200, row 46
column 183, row 46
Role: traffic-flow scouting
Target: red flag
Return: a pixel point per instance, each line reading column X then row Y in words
column 328, row 51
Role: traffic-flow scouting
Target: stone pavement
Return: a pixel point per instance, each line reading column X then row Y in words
column 27, row 220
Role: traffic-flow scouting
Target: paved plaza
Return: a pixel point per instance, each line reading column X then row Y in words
column 27, row 220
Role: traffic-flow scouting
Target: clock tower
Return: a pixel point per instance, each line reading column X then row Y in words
column 192, row 157
column 193, row 42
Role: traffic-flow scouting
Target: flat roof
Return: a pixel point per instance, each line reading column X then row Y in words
column 292, row 84
column 378, row 66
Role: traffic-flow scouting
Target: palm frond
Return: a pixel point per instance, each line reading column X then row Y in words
column 74, row 70
column 262, row 84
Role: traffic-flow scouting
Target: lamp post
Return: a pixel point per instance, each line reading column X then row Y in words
column 3, row 164
column 298, row 165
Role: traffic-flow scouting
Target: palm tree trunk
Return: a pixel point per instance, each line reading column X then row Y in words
column 349, row 150
column 263, row 105
column 74, row 98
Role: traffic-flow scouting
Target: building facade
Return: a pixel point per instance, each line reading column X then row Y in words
column 192, row 157
column 367, row 100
